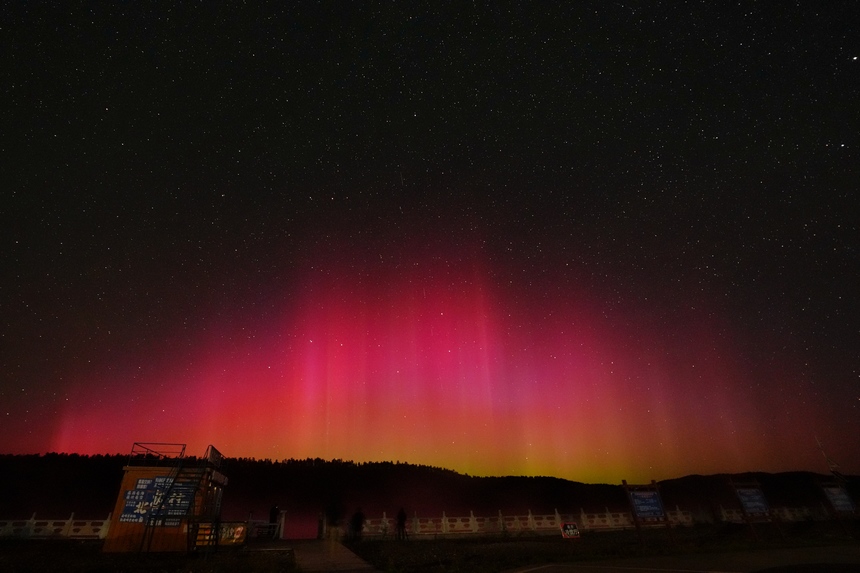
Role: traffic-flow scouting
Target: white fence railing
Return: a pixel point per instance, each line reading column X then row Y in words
column 55, row 528
column 445, row 525
column 510, row 524
column 609, row 520
column 415, row 526
column 780, row 513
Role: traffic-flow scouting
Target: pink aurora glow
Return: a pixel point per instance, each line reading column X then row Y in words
column 431, row 363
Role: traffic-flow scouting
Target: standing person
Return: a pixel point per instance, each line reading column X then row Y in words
column 400, row 535
column 274, row 517
column 357, row 524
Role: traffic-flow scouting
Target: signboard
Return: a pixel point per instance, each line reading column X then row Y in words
column 229, row 533
column 569, row 531
column 838, row 498
column 752, row 500
column 154, row 499
column 233, row 533
column 646, row 503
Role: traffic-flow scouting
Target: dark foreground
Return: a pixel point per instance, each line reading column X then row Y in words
column 61, row 556
column 621, row 547
column 735, row 547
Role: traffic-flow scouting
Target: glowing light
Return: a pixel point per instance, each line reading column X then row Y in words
column 432, row 363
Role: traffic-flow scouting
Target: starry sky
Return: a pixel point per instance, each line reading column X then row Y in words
column 597, row 241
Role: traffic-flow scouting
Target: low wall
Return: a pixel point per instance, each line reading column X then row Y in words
column 416, row 526
column 610, row 520
column 70, row 528
column 735, row 515
column 508, row 524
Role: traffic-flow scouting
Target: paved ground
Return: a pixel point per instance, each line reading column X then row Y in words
column 315, row 556
column 842, row 559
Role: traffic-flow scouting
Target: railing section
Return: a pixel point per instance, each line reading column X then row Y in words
column 508, row 524
column 70, row 528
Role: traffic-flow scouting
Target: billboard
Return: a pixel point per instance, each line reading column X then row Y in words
column 647, row 504
column 752, row 500
column 153, row 500
column 839, row 498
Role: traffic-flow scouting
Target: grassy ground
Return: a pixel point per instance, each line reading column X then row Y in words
column 476, row 555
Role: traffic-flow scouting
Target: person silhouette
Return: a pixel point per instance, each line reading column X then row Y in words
column 357, row 524
column 274, row 517
column 400, row 534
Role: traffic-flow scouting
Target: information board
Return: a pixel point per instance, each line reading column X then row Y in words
column 752, row 500
column 647, row 503
column 839, row 499
column 154, row 499
column 233, row 533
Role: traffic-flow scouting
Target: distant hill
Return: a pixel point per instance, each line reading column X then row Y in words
column 55, row 485
column 340, row 487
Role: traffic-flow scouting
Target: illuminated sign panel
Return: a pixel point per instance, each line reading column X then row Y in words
column 647, row 504
column 153, row 498
column 752, row 500
column 839, row 499
column 569, row 531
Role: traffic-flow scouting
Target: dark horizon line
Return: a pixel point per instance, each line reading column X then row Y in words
column 335, row 461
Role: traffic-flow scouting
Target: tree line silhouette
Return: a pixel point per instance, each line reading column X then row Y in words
column 57, row 484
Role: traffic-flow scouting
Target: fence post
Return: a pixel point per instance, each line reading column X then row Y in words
column 67, row 529
column 104, row 530
column 383, row 525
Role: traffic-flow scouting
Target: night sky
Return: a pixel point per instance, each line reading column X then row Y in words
column 597, row 241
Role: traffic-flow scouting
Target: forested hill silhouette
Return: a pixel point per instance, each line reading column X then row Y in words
column 54, row 485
